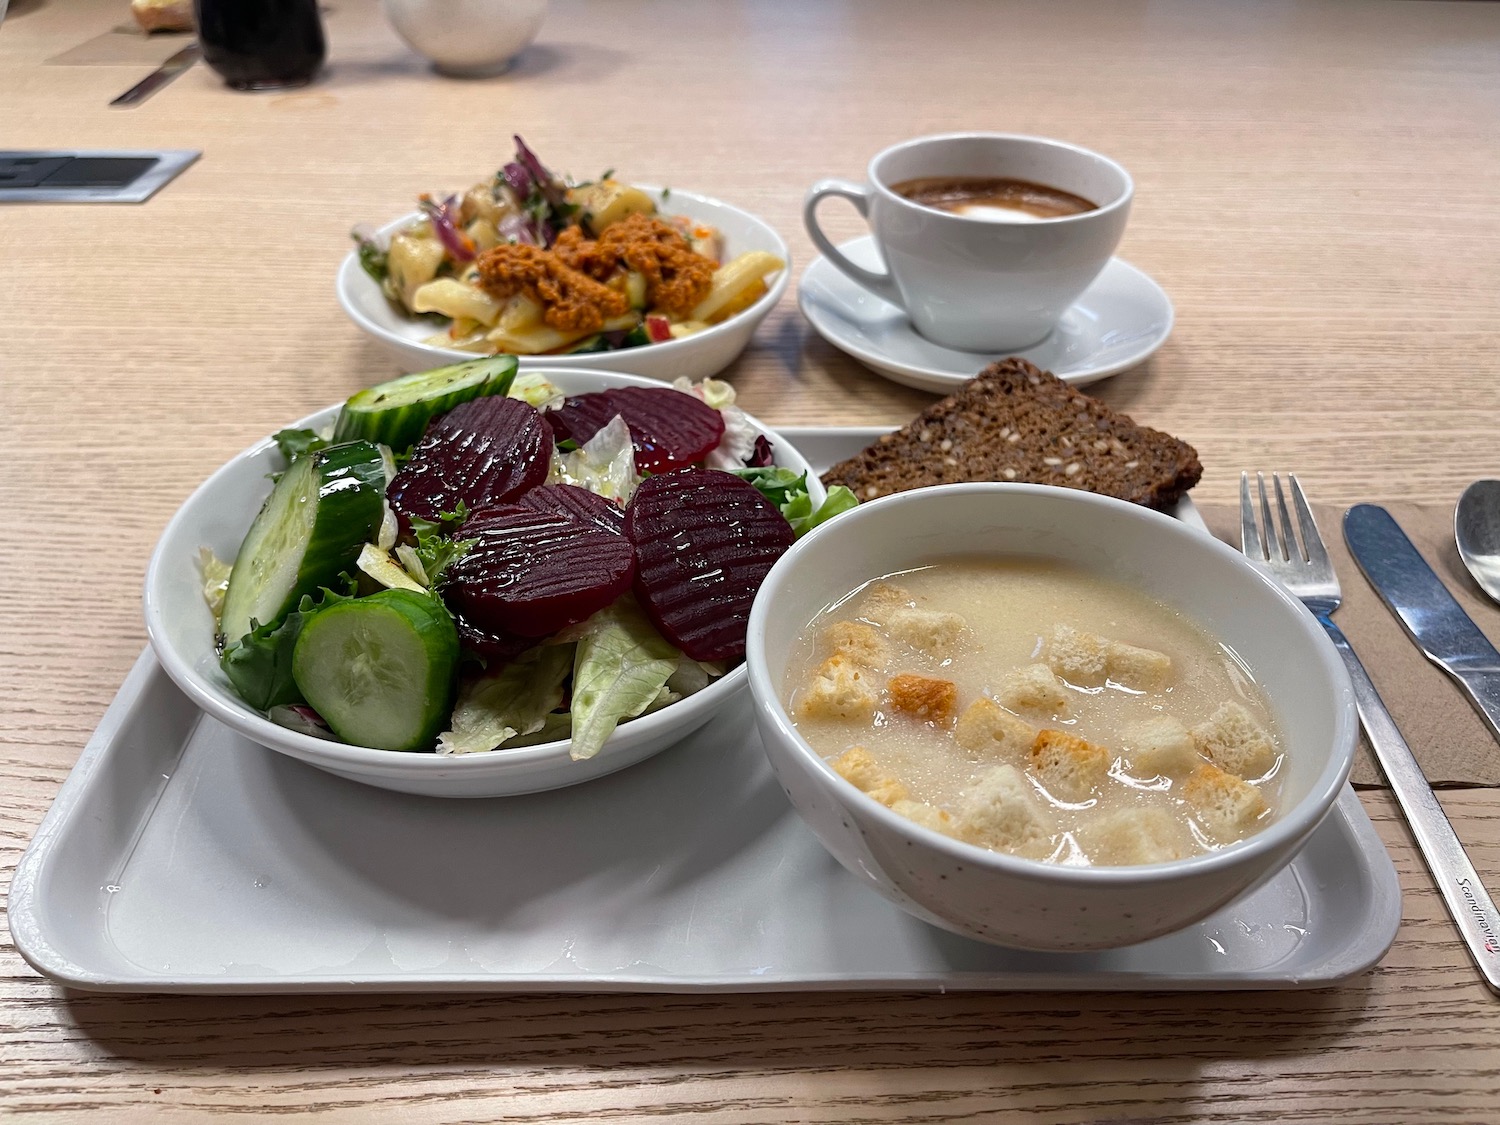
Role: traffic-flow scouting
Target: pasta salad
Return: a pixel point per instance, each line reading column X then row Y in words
column 529, row 264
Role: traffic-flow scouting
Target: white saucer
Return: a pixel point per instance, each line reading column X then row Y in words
column 1120, row 320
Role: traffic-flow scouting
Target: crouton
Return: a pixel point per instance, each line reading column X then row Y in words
column 1143, row 669
column 926, row 630
column 858, row 643
column 1235, row 742
column 1079, row 658
column 1131, row 836
column 881, row 599
column 1088, row 660
column 1033, row 688
column 1224, row 806
column 1067, row 766
column 923, row 697
column 1160, row 747
column 990, row 731
column 839, row 689
column 928, row 816
column 1001, row 811
column 856, row 766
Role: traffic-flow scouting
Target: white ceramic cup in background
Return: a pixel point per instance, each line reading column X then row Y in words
column 972, row 283
column 467, row 38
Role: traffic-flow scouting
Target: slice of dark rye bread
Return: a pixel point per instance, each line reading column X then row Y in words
column 1015, row 422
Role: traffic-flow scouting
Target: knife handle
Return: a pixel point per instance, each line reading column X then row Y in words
column 1468, row 902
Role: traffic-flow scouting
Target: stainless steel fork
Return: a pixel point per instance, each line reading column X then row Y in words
column 1298, row 560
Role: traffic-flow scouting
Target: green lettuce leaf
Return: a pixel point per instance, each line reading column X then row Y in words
column 622, row 665
column 294, row 443
column 259, row 665
column 800, row 514
column 788, row 491
column 515, row 701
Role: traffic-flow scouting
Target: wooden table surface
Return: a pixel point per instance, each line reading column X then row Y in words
column 1318, row 188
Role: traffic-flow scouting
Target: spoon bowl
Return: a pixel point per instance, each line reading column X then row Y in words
column 1476, row 529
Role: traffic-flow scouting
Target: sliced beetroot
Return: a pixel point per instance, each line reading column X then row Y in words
column 554, row 557
column 495, row 649
column 481, row 453
column 704, row 542
column 668, row 428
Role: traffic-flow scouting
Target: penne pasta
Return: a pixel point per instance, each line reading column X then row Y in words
column 539, row 338
column 732, row 279
column 412, row 262
column 454, row 299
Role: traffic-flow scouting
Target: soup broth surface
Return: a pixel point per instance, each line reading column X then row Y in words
column 996, row 199
column 935, row 691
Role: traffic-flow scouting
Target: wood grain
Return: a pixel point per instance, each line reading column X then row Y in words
column 1318, row 190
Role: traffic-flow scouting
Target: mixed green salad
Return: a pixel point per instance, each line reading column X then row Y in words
column 470, row 560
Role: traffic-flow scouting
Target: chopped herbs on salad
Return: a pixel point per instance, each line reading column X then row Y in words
column 469, row 560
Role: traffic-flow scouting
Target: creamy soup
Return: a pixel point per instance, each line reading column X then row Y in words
column 1041, row 710
column 989, row 197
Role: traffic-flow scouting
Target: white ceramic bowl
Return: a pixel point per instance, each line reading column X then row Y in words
column 695, row 357
column 1004, row 899
column 180, row 627
column 467, row 38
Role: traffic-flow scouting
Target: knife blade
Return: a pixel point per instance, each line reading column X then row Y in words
column 160, row 76
column 1446, row 634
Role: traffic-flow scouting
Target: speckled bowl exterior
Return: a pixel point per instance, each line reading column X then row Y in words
column 1004, row 899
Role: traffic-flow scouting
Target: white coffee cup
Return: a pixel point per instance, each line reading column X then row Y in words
column 973, row 283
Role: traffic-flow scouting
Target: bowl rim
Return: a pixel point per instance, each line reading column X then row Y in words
column 350, row 275
column 391, row 763
column 1292, row 826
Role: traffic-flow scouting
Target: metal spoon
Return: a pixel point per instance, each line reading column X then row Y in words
column 1476, row 527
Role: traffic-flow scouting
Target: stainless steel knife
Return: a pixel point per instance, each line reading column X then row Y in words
column 160, row 76
column 1443, row 631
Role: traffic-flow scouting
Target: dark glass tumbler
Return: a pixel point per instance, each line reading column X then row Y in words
column 261, row 44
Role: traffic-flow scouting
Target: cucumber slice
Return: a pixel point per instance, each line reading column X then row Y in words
column 312, row 526
column 380, row 670
column 396, row 413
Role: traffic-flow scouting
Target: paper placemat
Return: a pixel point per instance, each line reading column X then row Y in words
column 1450, row 741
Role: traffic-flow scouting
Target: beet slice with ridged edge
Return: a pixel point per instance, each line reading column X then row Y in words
column 668, row 428
column 553, row 558
column 480, row 453
column 704, row 542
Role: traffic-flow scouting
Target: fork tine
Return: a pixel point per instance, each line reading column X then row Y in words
column 1312, row 540
column 1249, row 532
column 1274, row 550
column 1288, row 540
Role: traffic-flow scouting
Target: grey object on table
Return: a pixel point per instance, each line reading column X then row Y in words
column 1476, row 530
column 1301, row 564
column 1446, row 634
column 159, row 77
column 88, row 177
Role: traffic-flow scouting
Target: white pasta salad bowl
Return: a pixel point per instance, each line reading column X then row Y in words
column 417, row 343
column 182, row 627
column 1015, row 900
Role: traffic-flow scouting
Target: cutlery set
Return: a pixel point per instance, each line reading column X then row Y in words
column 1295, row 556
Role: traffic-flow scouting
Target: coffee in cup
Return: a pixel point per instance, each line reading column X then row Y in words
column 987, row 237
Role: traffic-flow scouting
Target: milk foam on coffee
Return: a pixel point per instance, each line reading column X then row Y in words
column 996, row 214
column 992, row 198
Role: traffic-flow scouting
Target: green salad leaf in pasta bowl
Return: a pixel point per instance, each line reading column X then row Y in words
column 655, row 281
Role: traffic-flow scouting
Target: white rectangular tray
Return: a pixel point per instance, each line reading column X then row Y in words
column 179, row 856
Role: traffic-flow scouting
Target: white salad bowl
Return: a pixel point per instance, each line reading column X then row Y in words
column 181, row 629
column 693, row 357
column 1005, row 899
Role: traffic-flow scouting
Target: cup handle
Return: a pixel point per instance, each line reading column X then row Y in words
column 878, row 283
